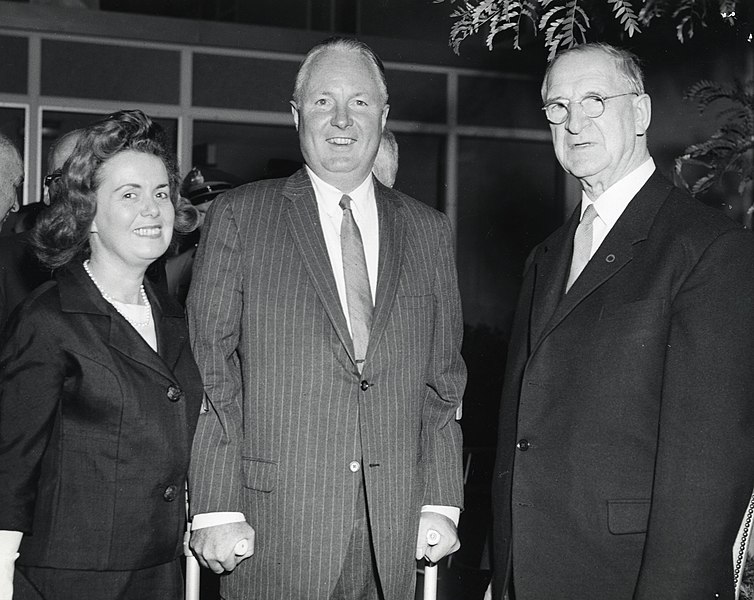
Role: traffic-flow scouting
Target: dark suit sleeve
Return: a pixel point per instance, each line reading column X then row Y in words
column 214, row 312
column 441, row 433
column 31, row 384
column 705, row 467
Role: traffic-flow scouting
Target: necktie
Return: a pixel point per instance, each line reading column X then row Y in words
column 582, row 245
column 358, row 292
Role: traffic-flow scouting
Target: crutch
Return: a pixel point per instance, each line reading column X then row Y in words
column 193, row 570
column 192, row 565
column 430, row 569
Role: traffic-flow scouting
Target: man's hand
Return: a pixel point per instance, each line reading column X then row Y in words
column 215, row 547
column 448, row 542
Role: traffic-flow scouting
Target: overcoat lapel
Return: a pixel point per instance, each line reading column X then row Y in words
column 306, row 230
column 615, row 252
column 392, row 236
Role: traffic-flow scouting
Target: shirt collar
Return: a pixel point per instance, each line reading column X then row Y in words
column 328, row 196
column 614, row 200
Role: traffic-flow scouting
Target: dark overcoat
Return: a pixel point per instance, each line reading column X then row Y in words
column 626, row 440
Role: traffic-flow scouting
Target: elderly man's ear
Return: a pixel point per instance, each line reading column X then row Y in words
column 643, row 111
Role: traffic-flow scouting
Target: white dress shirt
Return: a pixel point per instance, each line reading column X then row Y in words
column 364, row 209
column 614, row 200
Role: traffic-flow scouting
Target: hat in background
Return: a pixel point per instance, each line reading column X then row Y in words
column 202, row 184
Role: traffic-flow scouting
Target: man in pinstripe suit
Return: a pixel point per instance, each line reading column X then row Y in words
column 330, row 467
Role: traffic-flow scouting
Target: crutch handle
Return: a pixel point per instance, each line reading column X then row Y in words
column 430, row 568
column 241, row 548
column 433, row 537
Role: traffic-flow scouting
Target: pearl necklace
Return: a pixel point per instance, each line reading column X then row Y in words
column 113, row 301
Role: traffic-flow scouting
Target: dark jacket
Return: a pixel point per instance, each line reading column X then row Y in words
column 290, row 411
column 95, row 429
column 626, row 441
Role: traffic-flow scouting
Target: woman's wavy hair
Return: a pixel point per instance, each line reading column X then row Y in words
column 61, row 234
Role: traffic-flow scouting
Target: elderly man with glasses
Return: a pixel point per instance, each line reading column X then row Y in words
column 626, row 439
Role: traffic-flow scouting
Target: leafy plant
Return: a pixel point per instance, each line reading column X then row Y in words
column 729, row 151
column 565, row 23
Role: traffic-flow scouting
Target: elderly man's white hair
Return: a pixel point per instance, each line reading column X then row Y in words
column 11, row 176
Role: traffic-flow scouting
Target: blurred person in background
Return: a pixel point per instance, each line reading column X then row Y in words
column 20, row 271
column 386, row 162
column 11, row 178
column 99, row 392
column 200, row 187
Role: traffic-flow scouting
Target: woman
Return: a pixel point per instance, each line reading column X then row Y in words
column 99, row 393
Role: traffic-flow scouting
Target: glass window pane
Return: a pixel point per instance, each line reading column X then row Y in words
column 248, row 152
column 57, row 123
column 487, row 101
column 417, row 96
column 243, row 83
column 508, row 202
column 420, row 167
column 108, row 72
column 14, row 67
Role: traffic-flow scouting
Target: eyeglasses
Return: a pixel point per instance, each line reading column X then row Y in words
column 593, row 106
column 52, row 177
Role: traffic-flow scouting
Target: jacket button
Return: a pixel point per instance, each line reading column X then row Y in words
column 354, row 466
column 365, row 385
column 170, row 493
column 174, row 393
column 523, row 445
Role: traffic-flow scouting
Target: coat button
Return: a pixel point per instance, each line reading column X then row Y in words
column 365, row 385
column 523, row 445
column 354, row 466
column 174, row 393
column 170, row 493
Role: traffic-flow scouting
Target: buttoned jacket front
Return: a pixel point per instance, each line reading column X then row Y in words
column 626, row 440
column 95, row 429
column 293, row 426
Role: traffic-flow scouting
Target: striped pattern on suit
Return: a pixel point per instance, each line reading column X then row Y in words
column 287, row 410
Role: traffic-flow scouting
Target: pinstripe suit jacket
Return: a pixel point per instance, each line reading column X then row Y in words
column 288, row 408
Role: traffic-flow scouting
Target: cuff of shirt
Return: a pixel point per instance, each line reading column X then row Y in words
column 452, row 512
column 215, row 518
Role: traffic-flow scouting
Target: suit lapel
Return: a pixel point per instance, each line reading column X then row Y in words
column 392, row 236
column 615, row 252
column 551, row 268
column 306, row 231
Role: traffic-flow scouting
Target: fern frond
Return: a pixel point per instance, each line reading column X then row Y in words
column 688, row 13
column 469, row 19
column 652, row 9
column 624, row 12
column 565, row 25
column 705, row 92
column 498, row 16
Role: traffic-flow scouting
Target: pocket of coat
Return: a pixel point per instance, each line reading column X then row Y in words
column 260, row 475
column 627, row 516
column 415, row 302
column 653, row 307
